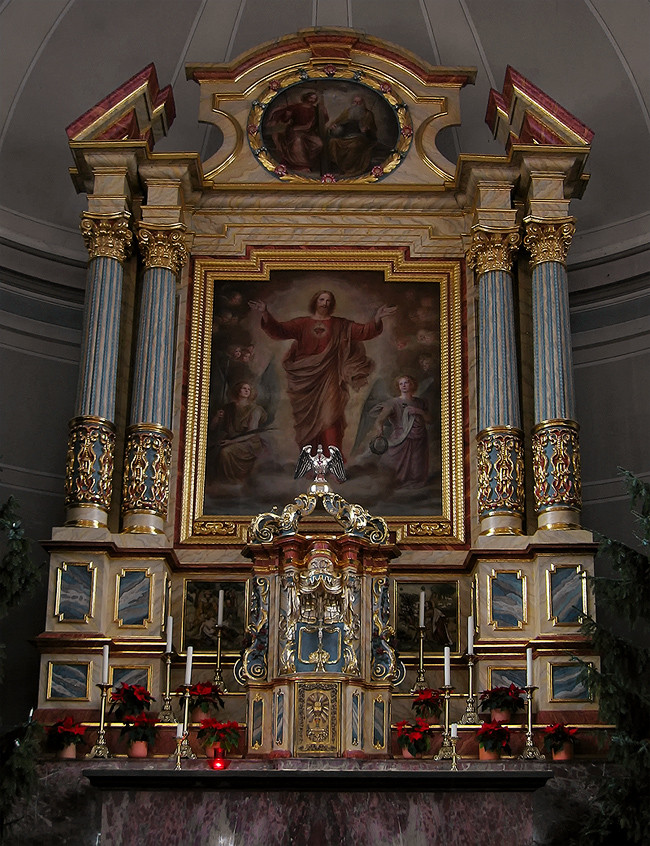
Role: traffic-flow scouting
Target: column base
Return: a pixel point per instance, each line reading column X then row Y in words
column 86, row 517
column 501, row 524
column 559, row 518
column 142, row 523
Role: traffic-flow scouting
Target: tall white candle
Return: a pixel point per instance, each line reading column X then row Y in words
column 470, row 635
column 422, row 609
column 447, row 666
column 454, row 729
column 105, row 664
column 529, row 666
column 220, row 611
column 170, row 629
column 179, row 730
column 188, row 665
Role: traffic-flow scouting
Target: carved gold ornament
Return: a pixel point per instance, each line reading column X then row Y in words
column 108, row 236
column 163, row 247
column 549, row 241
column 89, row 462
column 492, row 250
column 556, row 465
column 500, row 459
column 146, row 473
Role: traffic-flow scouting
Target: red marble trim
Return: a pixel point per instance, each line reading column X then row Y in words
column 323, row 45
column 145, row 79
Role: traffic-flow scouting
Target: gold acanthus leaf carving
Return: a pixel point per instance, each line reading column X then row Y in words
column 214, row 527
column 549, row 241
column 163, row 248
column 109, row 237
column 493, row 250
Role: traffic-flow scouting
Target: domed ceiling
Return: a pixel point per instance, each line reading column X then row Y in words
column 59, row 57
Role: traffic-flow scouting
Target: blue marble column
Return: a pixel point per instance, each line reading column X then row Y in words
column 556, row 450
column 91, row 442
column 500, row 459
column 148, row 447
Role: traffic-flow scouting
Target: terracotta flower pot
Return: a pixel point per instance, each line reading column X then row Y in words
column 488, row 754
column 196, row 715
column 565, row 753
column 214, row 750
column 406, row 753
column 138, row 749
column 68, row 752
column 500, row 715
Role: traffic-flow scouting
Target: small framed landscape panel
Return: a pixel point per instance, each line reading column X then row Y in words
column 507, row 599
column 68, row 681
column 133, row 598
column 441, row 614
column 75, row 592
column 566, row 595
column 140, row 675
column 565, row 684
column 505, row 676
column 200, row 610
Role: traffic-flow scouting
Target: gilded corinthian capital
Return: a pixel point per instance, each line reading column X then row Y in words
column 549, row 240
column 492, row 250
column 163, row 247
column 107, row 236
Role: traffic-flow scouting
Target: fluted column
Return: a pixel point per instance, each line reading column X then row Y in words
column 556, row 451
column 500, row 457
column 91, row 440
column 148, row 448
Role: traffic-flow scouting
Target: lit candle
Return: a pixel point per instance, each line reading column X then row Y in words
column 170, row 629
column 220, row 611
column 470, row 635
column 447, row 666
column 529, row 666
column 179, row 731
column 422, row 608
column 31, row 714
column 188, row 665
column 105, row 664
column 454, row 729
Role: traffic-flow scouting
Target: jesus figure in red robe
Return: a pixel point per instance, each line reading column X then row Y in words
column 327, row 357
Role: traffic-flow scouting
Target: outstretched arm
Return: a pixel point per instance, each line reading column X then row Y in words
column 384, row 311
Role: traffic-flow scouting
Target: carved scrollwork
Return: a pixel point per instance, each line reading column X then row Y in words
column 549, row 240
column 147, row 463
column 355, row 520
column 163, row 247
column 384, row 663
column 108, row 236
column 493, row 250
column 556, row 465
column 500, row 457
column 253, row 664
column 214, row 527
column 89, row 462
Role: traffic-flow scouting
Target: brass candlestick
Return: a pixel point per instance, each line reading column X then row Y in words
column 100, row 749
column 470, row 717
column 420, row 683
column 531, row 752
column 185, row 748
column 445, row 752
column 178, row 755
column 454, row 757
column 166, row 714
column 218, row 676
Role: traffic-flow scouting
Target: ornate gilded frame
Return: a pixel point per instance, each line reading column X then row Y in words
column 491, row 578
column 221, row 582
column 550, row 680
column 197, row 527
column 149, row 576
column 92, row 570
column 582, row 575
column 50, row 676
column 417, row 583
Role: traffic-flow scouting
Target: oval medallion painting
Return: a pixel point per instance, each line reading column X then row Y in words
column 329, row 130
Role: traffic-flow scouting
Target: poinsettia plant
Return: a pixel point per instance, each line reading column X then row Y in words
column 130, row 700
column 494, row 737
column 414, row 736
column 225, row 733
column 427, row 703
column 556, row 735
column 63, row 733
column 204, row 696
column 139, row 727
column 503, row 699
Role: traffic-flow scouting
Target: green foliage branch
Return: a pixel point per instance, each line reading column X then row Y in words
column 620, row 812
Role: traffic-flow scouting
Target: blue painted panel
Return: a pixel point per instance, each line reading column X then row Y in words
column 566, row 595
column 133, row 601
column 507, row 600
column 69, row 681
column 75, row 598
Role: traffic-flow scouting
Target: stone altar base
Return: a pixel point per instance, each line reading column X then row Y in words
column 300, row 801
